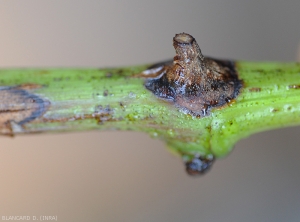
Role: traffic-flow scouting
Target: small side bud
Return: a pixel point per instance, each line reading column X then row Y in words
column 185, row 45
column 199, row 165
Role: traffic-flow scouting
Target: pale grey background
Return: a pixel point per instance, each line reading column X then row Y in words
column 109, row 176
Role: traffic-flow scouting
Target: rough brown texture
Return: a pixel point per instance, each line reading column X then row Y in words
column 194, row 83
column 19, row 106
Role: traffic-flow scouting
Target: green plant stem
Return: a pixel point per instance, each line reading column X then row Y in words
column 116, row 99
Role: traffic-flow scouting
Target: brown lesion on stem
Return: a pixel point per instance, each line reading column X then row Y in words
column 194, row 83
column 19, row 106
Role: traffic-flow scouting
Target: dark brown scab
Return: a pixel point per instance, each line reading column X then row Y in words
column 195, row 84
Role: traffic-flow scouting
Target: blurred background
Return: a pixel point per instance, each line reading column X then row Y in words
column 126, row 176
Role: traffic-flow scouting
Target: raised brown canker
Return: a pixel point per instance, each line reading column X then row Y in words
column 195, row 84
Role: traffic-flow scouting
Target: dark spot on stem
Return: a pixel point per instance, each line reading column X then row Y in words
column 105, row 93
column 295, row 86
column 108, row 75
column 122, row 105
column 103, row 114
column 57, row 79
column 193, row 83
column 228, row 100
